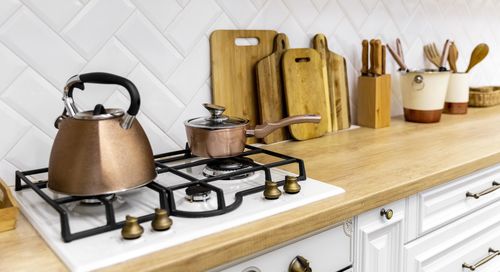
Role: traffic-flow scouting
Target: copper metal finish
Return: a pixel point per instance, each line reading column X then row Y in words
column 291, row 185
column 271, row 191
column 94, row 157
column 161, row 221
column 299, row 264
column 132, row 229
column 229, row 142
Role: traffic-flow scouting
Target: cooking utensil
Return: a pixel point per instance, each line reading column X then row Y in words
column 478, row 54
column 270, row 89
column 305, row 91
column 101, row 151
column 452, row 57
column 372, row 56
column 377, row 58
column 220, row 136
column 383, row 59
column 233, row 70
column 364, row 58
column 444, row 56
column 397, row 58
column 399, row 48
column 327, row 58
column 8, row 208
column 432, row 54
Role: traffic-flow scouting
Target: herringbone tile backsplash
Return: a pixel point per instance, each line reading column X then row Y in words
column 162, row 46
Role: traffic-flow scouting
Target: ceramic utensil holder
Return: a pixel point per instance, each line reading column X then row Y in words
column 423, row 94
column 457, row 96
column 374, row 101
column 8, row 208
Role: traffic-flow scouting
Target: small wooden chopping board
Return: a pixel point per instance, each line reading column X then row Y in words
column 270, row 89
column 305, row 91
column 233, row 71
column 328, row 61
column 341, row 86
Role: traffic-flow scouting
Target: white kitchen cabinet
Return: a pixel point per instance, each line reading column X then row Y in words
column 329, row 250
column 379, row 240
column 466, row 240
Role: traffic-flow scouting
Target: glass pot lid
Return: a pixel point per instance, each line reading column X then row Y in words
column 216, row 120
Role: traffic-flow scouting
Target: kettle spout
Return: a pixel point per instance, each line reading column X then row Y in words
column 127, row 121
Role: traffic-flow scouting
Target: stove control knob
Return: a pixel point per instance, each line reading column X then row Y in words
column 271, row 190
column 131, row 229
column 161, row 221
column 291, row 185
column 299, row 264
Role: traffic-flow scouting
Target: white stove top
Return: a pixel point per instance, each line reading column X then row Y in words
column 110, row 248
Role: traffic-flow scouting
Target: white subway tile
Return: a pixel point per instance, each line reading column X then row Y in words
column 55, row 12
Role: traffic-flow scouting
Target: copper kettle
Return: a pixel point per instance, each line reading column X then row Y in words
column 101, row 151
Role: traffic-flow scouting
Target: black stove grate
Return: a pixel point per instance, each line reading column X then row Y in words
column 166, row 198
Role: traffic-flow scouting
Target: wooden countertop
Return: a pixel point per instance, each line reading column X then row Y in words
column 375, row 167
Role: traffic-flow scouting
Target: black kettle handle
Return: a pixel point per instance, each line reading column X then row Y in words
column 106, row 78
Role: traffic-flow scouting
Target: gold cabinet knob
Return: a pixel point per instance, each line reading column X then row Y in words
column 299, row 264
column 291, row 185
column 271, row 190
column 387, row 213
column 131, row 229
column 161, row 221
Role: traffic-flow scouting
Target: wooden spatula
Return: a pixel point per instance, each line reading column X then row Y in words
column 452, row 57
column 478, row 54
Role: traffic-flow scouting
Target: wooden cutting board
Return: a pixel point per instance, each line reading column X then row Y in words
column 270, row 89
column 305, row 91
column 233, row 71
column 328, row 62
column 341, row 86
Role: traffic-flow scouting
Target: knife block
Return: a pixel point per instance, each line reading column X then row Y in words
column 374, row 101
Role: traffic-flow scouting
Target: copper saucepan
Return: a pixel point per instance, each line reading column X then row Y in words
column 220, row 136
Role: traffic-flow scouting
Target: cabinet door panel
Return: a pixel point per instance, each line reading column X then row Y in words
column 379, row 241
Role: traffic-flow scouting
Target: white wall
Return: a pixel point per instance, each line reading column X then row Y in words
column 162, row 46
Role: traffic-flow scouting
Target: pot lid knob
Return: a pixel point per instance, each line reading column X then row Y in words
column 215, row 113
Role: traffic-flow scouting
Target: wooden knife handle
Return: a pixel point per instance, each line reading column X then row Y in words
column 383, row 59
column 364, row 58
column 378, row 58
column 372, row 56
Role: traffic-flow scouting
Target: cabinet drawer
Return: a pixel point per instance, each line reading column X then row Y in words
column 466, row 240
column 445, row 203
column 329, row 250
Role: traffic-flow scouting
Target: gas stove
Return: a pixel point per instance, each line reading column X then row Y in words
column 202, row 197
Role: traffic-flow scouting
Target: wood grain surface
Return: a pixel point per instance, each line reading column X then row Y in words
column 270, row 89
column 374, row 101
column 374, row 166
column 327, row 58
column 233, row 71
column 306, row 91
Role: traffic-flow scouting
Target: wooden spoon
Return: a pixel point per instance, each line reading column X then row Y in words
column 478, row 54
column 452, row 57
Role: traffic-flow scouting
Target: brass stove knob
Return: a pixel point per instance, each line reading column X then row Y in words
column 271, row 191
column 161, row 221
column 131, row 229
column 291, row 185
column 299, row 264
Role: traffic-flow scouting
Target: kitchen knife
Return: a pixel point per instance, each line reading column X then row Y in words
column 364, row 58
column 378, row 58
column 372, row 56
column 383, row 59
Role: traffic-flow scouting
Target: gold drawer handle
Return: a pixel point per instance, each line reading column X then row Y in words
column 387, row 213
column 494, row 187
column 491, row 254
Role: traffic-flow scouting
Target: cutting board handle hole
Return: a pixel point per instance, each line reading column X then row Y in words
column 302, row 59
column 246, row 41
